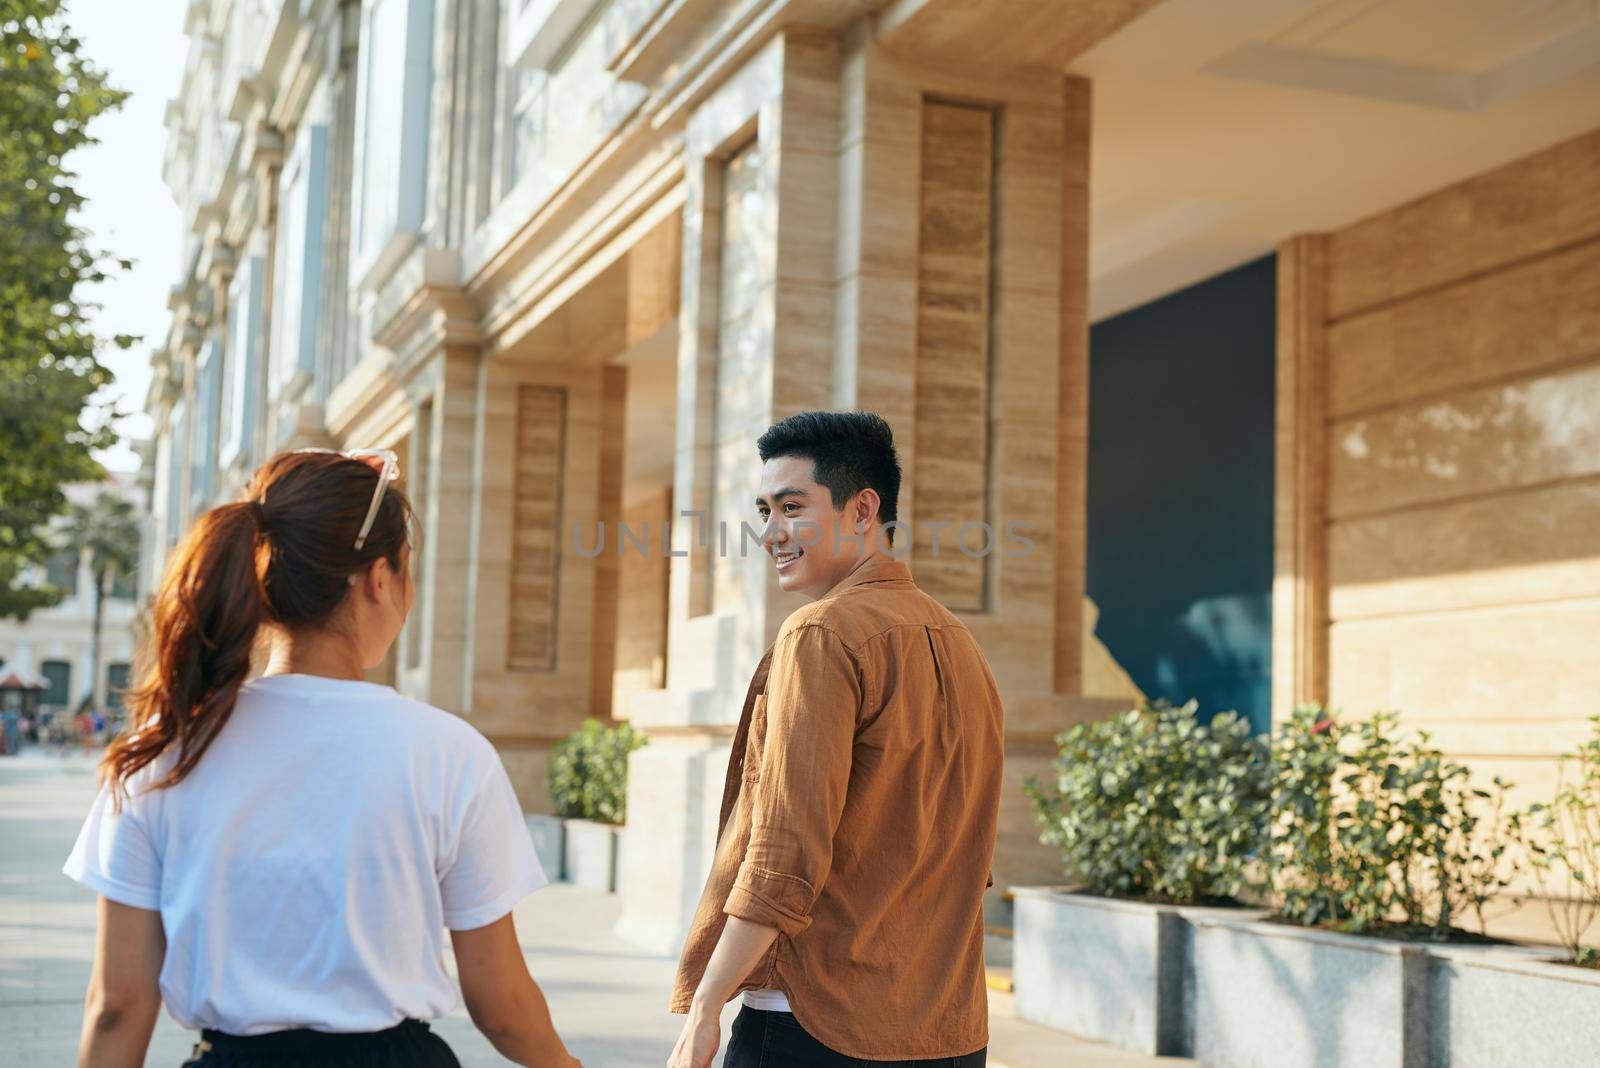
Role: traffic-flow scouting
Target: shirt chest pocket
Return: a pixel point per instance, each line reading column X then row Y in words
column 756, row 741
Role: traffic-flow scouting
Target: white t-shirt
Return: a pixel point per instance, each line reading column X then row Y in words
column 307, row 868
column 767, row 1000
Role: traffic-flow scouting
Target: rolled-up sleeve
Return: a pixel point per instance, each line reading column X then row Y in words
column 814, row 693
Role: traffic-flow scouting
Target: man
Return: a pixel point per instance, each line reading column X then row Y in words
column 858, row 819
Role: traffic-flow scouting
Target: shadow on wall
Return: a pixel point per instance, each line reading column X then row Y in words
column 1180, row 495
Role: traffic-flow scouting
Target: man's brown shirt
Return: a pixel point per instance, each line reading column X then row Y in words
column 859, row 820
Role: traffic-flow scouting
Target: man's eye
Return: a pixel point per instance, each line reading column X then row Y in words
column 791, row 509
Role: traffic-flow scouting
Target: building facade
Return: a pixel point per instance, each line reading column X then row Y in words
column 56, row 643
column 570, row 257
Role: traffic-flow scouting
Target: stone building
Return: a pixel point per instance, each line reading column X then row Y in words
column 56, row 643
column 1271, row 323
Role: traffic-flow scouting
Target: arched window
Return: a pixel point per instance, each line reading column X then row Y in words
column 117, row 676
column 58, row 673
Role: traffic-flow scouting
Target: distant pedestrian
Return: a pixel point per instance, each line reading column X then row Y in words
column 278, row 858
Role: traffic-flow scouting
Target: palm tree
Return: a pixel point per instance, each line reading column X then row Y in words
column 107, row 529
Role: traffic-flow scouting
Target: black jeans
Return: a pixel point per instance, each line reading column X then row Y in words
column 776, row 1040
column 408, row 1044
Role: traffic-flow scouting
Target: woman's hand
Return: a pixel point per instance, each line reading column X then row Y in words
column 502, row 998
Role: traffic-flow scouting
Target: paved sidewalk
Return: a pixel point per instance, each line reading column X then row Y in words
column 608, row 997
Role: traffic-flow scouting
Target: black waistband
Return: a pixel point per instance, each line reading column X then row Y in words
column 303, row 1040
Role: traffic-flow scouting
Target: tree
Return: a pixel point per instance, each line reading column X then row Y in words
column 49, row 370
column 107, row 531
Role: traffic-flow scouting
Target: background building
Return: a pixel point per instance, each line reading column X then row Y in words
column 1334, row 432
column 56, row 643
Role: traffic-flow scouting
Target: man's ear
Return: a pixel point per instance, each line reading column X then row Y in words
column 866, row 509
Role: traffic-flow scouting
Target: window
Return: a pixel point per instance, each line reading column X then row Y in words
column 203, row 453
column 396, row 81
column 61, row 571
column 244, row 338
column 564, row 98
column 117, row 677
column 178, row 443
column 124, row 587
column 296, row 306
column 58, row 673
column 539, row 29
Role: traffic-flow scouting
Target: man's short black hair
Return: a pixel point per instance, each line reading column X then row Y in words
column 850, row 451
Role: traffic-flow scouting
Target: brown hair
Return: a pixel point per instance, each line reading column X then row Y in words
column 284, row 555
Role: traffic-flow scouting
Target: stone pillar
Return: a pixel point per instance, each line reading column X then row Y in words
column 907, row 236
column 545, row 457
column 337, row 343
column 1300, row 571
column 756, row 332
column 963, row 318
column 444, row 394
column 266, row 165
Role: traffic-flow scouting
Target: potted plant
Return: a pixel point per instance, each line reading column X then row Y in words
column 1380, row 845
column 1522, row 1004
column 1160, row 820
column 589, row 789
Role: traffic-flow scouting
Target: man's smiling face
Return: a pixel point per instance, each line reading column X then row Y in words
column 813, row 544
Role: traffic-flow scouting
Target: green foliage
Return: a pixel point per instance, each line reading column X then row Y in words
column 48, row 364
column 589, row 772
column 1374, row 829
column 108, row 530
column 1155, row 805
column 1560, row 842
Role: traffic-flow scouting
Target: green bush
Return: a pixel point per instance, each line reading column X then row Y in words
column 1155, row 805
column 1373, row 830
column 1561, row 843
column 589, row 772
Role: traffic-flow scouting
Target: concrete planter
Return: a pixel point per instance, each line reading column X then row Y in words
column 591, row 855
column 1110, row 970
column 549, row 834
column 1493, row 1006
column 1268, row 995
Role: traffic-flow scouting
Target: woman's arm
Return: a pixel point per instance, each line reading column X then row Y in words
column 124, row 989
column 502, row 998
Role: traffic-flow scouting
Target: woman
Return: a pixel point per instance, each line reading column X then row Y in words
column 277, row 858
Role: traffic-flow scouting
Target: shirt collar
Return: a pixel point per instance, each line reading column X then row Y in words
column 879, row 568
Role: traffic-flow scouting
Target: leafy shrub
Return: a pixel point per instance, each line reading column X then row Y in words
column 1373, row 829
column 1561, row 844
column 1154, row 804
column 589, row 772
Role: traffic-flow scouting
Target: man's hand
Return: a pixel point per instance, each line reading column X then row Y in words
column 702, row 1034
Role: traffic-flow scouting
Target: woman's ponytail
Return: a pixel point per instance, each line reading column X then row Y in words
column 283, row 555
column 203, row 627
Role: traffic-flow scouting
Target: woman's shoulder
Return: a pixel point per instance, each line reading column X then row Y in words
column 449, row 731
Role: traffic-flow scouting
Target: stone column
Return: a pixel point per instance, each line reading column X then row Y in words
column 336, row 326
column 962, row 286
column 443, row 392
column 755, row 321
column 266, row 166
column 535, row 566
column 1300, row 570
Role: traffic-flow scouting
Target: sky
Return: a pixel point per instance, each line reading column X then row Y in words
column 129, row 212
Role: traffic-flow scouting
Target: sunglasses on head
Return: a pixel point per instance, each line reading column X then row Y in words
column 386, row 463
